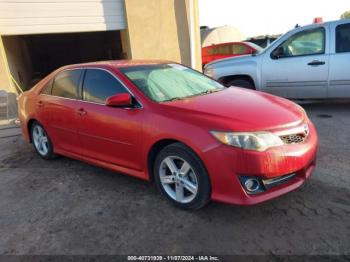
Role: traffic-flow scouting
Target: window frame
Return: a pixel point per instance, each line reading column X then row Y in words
column 301, row 32
column 240, row 45
column 77, row 87
column 47, row 85
column 137, row 103
column 336, row 37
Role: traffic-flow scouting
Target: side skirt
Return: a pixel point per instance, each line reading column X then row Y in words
column 123, row 170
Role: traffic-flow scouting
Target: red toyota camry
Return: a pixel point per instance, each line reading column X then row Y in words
column 165, row 122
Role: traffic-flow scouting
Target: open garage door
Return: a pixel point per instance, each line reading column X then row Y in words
column 32, row 57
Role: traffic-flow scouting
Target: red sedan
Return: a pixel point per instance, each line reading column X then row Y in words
column 224, row 50
column 165, row 122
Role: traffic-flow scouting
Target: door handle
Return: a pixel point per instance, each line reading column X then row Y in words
column 82, row 112
column 316, row 63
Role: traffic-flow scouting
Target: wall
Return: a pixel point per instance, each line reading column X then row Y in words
column 18, row 60
column 160, row 30
column 197, row 38
column 5, row 82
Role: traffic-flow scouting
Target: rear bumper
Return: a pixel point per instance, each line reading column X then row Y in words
column 225, row 164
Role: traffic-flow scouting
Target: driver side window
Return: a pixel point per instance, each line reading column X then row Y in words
column 98, row 85
column 309, row 42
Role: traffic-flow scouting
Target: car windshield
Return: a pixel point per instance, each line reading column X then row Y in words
column 166, row 82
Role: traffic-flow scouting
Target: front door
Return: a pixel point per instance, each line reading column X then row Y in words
column 108, row 134
column 339, row 76
column 300, row 68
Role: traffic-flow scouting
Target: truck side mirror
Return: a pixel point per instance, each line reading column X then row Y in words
column 277, row 53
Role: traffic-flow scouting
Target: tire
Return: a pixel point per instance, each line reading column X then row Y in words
column 41, row 141
column 181, row 177
column 242, row 83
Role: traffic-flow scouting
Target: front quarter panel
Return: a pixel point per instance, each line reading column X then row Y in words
column 245, row 65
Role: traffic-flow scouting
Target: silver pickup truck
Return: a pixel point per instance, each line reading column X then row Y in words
column 310, row 62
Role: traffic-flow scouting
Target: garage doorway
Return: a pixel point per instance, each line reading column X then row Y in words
column 32, row 57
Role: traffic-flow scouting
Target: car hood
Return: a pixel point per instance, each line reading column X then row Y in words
column 238, row 109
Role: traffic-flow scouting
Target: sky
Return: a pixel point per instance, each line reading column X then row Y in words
column 261, row 17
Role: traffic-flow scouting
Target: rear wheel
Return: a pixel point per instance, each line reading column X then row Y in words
column 41, row 141
column 181, row 177
column 241, row 83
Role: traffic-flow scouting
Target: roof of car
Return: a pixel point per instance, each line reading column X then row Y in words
column 117, row 63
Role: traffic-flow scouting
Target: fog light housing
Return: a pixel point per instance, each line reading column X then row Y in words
column 251, row 184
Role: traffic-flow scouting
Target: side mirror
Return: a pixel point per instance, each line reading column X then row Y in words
column 277, row 53
column 119, row 100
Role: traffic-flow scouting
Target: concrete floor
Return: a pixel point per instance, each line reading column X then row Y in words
column 69, row 207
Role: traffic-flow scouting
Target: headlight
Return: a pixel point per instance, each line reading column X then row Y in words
column 257, row 141
column 303, row 110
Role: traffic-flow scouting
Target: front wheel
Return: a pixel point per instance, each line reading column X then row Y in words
column 41, row 141
column 181, row 177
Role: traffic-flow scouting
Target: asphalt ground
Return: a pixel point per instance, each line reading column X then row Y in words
column 69, row 207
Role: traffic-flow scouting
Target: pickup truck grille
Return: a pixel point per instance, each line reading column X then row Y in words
column 293, row 139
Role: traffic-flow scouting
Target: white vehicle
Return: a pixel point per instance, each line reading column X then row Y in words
column 310, row 62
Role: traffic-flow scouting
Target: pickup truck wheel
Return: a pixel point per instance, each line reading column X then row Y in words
column 242, row 83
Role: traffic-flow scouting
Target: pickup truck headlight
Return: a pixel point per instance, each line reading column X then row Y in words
column 257, row 141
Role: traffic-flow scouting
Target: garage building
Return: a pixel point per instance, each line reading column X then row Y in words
column 38, row 36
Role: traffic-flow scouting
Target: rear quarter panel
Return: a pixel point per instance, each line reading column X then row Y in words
column 26, row 112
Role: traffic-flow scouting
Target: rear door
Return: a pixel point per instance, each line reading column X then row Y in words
column 339, row 72
column 301, row 70
column 108, row 134
column 60, row 107
column 42, row 105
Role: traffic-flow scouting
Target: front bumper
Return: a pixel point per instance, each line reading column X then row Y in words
column 225, row 164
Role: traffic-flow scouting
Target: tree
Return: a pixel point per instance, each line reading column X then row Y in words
column 345, row 15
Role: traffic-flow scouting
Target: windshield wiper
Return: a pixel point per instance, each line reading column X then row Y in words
column 173, row 99
column 210, row 91
column 199, row 94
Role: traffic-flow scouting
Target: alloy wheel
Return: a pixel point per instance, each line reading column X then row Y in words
column 40, row 140
column 178, row 179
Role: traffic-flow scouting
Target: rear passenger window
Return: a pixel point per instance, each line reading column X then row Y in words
column 343, row 38
column 99, row 85
column 66, row 84
column 239, row 49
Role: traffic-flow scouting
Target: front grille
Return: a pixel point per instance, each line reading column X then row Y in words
column 293, row 139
